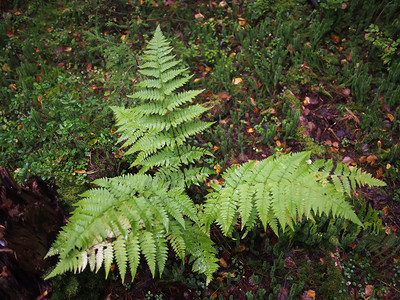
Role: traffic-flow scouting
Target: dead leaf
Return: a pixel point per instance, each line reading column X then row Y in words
column 308, row 295
column 222, row 262
column 242, row 248
column 379, row 173
column 250, row 130
column 347, row 160
column 199, row 16
column 362, row 159
column 242, row 22
column 217, row 168
column 335, row 38
column 215, row 148
column 80, row 171
column 237, row 81
column 6, row 68
column 346, row 92
column 368, row 291
column 390, row 117
column 67, row 49
column 371, row 159
column 224, row 96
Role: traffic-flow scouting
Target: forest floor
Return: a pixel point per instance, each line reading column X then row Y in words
column 280, row 76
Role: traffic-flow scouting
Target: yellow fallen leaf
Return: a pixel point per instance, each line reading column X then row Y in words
column 242, row 21
column 80, row 171
column 217, row 168
column 123, row 37
column 390, row 117
column 250, row 130
column 237, row 81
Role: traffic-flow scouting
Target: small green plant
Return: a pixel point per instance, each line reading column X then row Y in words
column 387, row 47
column 131, row 216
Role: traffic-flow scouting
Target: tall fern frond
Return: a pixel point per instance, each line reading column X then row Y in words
column 157, row 128
column 283, row 189
column 126, row 217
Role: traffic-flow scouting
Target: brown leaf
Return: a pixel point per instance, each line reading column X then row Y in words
column 222, row 262
column 363, row 159
column 335, row 38
column 371, row 159
column 224, row 96
column 390, row 117
column 379, row 173
column 368, row 290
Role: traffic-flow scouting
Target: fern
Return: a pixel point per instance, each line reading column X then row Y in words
column 138, row 217
column 280, row 190
column 126, row 216
column 157, row 128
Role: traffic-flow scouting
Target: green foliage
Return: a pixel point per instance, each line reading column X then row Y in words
column 129, row 216
column 158, row 127
column 135, row 216
column 280, row 190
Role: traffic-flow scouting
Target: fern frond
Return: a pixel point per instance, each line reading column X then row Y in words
column 157, row 127
column 283, row 189
column 125, row 217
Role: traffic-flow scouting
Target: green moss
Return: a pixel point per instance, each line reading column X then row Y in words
column 309, row 143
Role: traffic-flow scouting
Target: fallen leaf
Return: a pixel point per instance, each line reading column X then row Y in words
column 215, row 148
column 322, row 260
column 222, row 4
column 6, row 68
column 362, row 159
column 289, row 263
column 237, row 81
column 334, row 150
column 390, row 117
column 222, row 262
column 242, row 248
column 67, row 49
column 335, row 38
column 346, row 92
column 308, row 295
column 347, row 160
column 199, row 16
column 224, row 96
column 250, row 130
column 368, row 291
column 217, row 168
column 379, row 173
column 123, row 37
column 242, row 22
column 80, row 171
column 371, row 159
